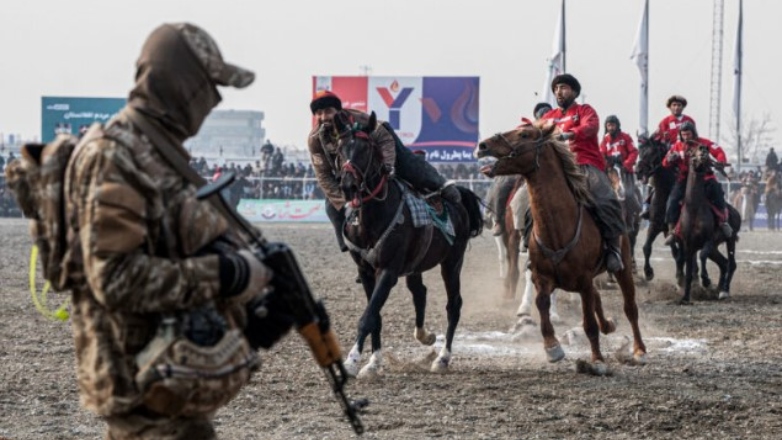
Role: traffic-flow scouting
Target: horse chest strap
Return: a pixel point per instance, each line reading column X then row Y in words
column 557, row 255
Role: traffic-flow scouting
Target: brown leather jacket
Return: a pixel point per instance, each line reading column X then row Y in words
column 325, row 162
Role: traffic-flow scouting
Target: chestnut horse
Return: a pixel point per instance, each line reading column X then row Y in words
column 567, row 249
column 385, row 244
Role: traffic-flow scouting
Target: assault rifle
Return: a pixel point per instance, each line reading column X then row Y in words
column 293, row 296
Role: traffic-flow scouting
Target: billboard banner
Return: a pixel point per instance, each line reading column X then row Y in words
column 72, row 115
column 435, row 114
column 273, row 210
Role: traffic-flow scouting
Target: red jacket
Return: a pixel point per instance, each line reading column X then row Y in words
column 684, row 165
column 668, row 128
column 622, row 146
column 583, row 122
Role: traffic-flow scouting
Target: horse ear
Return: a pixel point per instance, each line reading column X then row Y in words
column 340, row 122
column 372, row 122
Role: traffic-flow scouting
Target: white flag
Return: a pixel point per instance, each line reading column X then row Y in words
column 556, row 63
column 641, row 56
column 737, row 66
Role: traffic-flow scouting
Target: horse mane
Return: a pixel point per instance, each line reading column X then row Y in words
column 576, row 179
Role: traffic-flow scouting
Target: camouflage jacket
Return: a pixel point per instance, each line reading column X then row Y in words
column 323, row 153
column 140, row 231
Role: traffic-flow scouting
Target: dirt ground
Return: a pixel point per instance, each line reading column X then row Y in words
column 713, row 372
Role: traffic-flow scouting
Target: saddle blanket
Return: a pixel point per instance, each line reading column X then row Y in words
column 423, row 214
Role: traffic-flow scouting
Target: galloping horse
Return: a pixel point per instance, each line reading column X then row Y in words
column 650, row 167
column 510, row 245
column 698, row 229
column 385, row 244
column 567, row 250
column 773, row 195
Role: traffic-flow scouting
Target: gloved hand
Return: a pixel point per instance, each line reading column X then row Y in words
column 242, row 276
column 674, row 156
column 389, row 169
column 268, row 320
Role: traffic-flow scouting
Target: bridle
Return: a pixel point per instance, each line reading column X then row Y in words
column 522, row 148
column 361, row 175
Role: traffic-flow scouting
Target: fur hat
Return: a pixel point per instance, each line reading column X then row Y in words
column 676, row 98
column 568, row 79
column 540, row 106
column 325, row 99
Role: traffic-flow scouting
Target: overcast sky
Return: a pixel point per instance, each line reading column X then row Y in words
column 89, row 47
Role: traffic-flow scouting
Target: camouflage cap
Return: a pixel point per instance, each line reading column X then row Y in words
column 207, row 52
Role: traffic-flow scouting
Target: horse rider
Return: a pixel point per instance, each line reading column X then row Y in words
column 398, row 160
column 618, row 149
column 668, row 133
column 677, row 157
column 578, row 125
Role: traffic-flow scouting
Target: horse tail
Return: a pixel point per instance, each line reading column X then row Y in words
column 472, row 203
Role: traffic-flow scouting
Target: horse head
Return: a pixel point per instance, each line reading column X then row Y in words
column 362, row 174
column 518, row 150
column 650, row 156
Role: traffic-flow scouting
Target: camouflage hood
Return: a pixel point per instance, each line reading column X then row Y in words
column 173, row 87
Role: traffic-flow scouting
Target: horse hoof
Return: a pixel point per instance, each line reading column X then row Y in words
column 597, row 368
column 351, row 362
column 555, row 353
column 685, row 302
column 724, row 295
column 424, row 337
column 610, row 326
column 369, row 372
column 522, row 323
column 440, row 365
column 639, row 358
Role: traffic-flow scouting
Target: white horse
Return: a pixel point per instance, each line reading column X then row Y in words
column 518, row 206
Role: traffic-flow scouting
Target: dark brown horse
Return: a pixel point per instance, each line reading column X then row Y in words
column 773, row 193
column 566, row 250
column 386, row 244
column 699, row 231
column 650, row 168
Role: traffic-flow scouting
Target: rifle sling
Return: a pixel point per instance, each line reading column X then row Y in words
column 169, row 150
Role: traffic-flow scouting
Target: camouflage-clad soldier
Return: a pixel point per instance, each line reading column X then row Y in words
column 398, row 160
column 149, row 247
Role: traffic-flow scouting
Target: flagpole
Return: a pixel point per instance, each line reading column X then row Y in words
column 737, row 68
column 564, row 39
column 641, row 56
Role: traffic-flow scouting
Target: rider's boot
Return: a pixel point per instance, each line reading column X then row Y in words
column 726, row 229
column 671, row 234
column 614, row 255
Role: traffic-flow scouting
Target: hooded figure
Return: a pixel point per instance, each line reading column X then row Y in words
column 149, row 249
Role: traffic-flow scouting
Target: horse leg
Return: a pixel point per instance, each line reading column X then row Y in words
column 372, row 323
column 677, row 251
column 704, row 253
column 450, row 270
column 606, row 325
column 651, row 235
column 503, row 254
column 525, row 308
column 512, row 280
column 731, row 266
column 627, row 286
column 688, row 275
column 554, row 351
column 591, row 328
column 416, row 286
column 353, row 359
